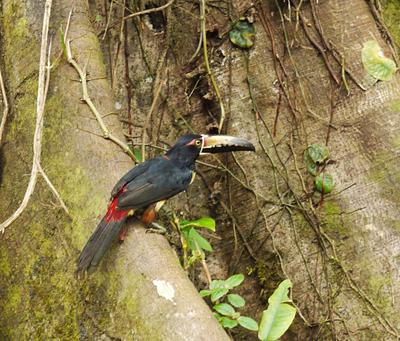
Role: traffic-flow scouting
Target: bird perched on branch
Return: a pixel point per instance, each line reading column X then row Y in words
column 148, row 185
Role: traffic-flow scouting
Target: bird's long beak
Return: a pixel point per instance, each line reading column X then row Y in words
column 224, row 143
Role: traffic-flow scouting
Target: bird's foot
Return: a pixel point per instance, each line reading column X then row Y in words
column 156, row 228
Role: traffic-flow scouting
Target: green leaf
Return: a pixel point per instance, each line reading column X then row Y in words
column 312, row 167
column 248, row 323
column 216, row 294
column 195, row 239
column 324, row 183
column 138, row 154
column 226, row 322
column 234, row 281
column 205, row 293
column 99, row 18
column 279, row 315
column 224, row 309
column 375, row 62
column 63, row 46
column 242, row 34
column 205, row 222
column 217, row 283
column 183, row 223
column 318, row 153
column 235, row 315
column 236, row 300
column 217, row 316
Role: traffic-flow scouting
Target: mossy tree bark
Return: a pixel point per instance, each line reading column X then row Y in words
column 140, row 292
column 301, row 83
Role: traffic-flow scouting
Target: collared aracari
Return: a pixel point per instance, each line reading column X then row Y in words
column 149, row 184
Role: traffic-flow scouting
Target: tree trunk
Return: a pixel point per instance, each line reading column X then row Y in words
column 126, row 298
column 301, row 83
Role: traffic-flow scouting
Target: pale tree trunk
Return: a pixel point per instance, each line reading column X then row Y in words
column 286, row 92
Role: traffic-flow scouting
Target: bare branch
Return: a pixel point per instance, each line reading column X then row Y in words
column 53, row 189
column 150, row 10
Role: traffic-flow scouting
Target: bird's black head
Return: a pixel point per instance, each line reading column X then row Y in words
column 186, row 150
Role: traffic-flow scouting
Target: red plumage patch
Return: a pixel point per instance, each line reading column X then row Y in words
column 113, row 214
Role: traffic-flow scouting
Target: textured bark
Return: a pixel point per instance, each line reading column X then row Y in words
column 362, row 221
column 41, row 298
column 351, row 293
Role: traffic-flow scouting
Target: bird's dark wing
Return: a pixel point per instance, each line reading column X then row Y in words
column 160, row 181
column 132, row 174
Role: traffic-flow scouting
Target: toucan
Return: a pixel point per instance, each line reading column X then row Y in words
column 148, row 185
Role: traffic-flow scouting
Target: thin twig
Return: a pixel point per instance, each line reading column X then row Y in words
column 53, row 189
column 197, row 49
column 207, row 64
column 147, row 122
column 86, row 98
column 150, row 10
column 128, row 81
column 41, row 100
column 116, row 55
column 108, row 19
column 5, row 105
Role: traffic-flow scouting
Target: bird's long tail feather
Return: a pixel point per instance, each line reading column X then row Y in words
column 106, row 232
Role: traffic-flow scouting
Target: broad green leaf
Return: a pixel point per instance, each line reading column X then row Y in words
column 217, row 316
column 236, row 300
column 318, row 153
column 224, row 309
column 196, row 239
column 226, row 322
column 216, row 294
column 279, row 315
column 234, row 281
column 205, row 222
column 205, row 293
column 375, row 62
column 248, row 323
column 243, row 34
column 324, row 183
column 217, row 283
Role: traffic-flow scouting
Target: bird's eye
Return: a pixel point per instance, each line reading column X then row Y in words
column 198, row 142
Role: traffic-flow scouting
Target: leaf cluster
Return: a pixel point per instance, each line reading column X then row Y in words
column 225, row 312
column 316, row 157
